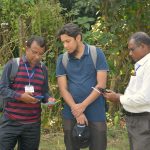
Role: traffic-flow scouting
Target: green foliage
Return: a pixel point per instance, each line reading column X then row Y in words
column 84, row 22
column 25, row 18
column 115, row 26
column 118, row 20
column 51, row 118
column 82, row 12
column 1, row 69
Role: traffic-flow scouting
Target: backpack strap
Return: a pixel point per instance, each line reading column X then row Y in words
column 93, row 53
column 65, row 59
column 44, row 69
column 46, row 86
column 14, row 69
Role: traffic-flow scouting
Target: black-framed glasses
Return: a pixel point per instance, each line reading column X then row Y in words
column 133, row 49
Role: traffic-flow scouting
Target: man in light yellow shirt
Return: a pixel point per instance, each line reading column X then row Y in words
column 136, row 99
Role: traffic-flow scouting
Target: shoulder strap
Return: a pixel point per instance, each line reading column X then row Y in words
column 46, row 85
column 14, row 69
column 44, row 69
column 13, row 72
column 93, row 53
column 65, row 59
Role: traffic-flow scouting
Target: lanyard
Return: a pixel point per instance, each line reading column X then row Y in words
column 29, row 76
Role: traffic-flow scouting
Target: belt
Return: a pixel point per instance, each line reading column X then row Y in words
column 136, row 114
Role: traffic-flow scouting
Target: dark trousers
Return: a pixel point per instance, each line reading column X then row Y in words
column 98, row 135
column 27, row 135
column 139, row 132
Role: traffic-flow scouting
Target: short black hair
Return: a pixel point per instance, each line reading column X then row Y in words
column 141, row 37
column 70, row 29
column 40, row 41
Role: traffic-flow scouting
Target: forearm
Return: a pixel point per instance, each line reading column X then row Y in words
column 6, row 92
column 134, row 100
column 67, row 97
column 101, row 83
column 92, row 97
column 78, row 109
column 94, row 94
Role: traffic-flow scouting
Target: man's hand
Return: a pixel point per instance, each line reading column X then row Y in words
column 78, row 109
column 52, row 102
column 82, row 119
column 28, row 98
column 112, row 96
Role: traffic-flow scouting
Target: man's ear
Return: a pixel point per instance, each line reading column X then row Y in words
column 145, row 47
column 78, row 37
column 27, row 48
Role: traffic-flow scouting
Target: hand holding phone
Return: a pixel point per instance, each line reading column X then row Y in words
column 39, row 97
column 50, row 103
column 103, row 90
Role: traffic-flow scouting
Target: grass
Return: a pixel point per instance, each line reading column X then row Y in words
column 117, row 140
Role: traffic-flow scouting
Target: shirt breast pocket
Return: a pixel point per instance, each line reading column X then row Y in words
column 139, row 81
column 131, row 88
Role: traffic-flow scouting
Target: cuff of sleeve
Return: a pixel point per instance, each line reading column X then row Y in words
column 123, row 99
column 17, row 96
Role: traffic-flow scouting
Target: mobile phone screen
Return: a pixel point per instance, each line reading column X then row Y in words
column 50, row 103
column 39, row 97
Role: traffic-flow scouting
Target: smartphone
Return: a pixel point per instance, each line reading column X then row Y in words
column 104, row 90
column 39, row 97
column 50, row 103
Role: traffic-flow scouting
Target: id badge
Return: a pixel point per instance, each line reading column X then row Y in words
column 29, row 88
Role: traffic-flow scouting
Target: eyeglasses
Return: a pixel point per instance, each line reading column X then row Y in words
column 133, row 49
column 36, row 53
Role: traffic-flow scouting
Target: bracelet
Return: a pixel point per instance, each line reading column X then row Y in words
column 96, row 90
